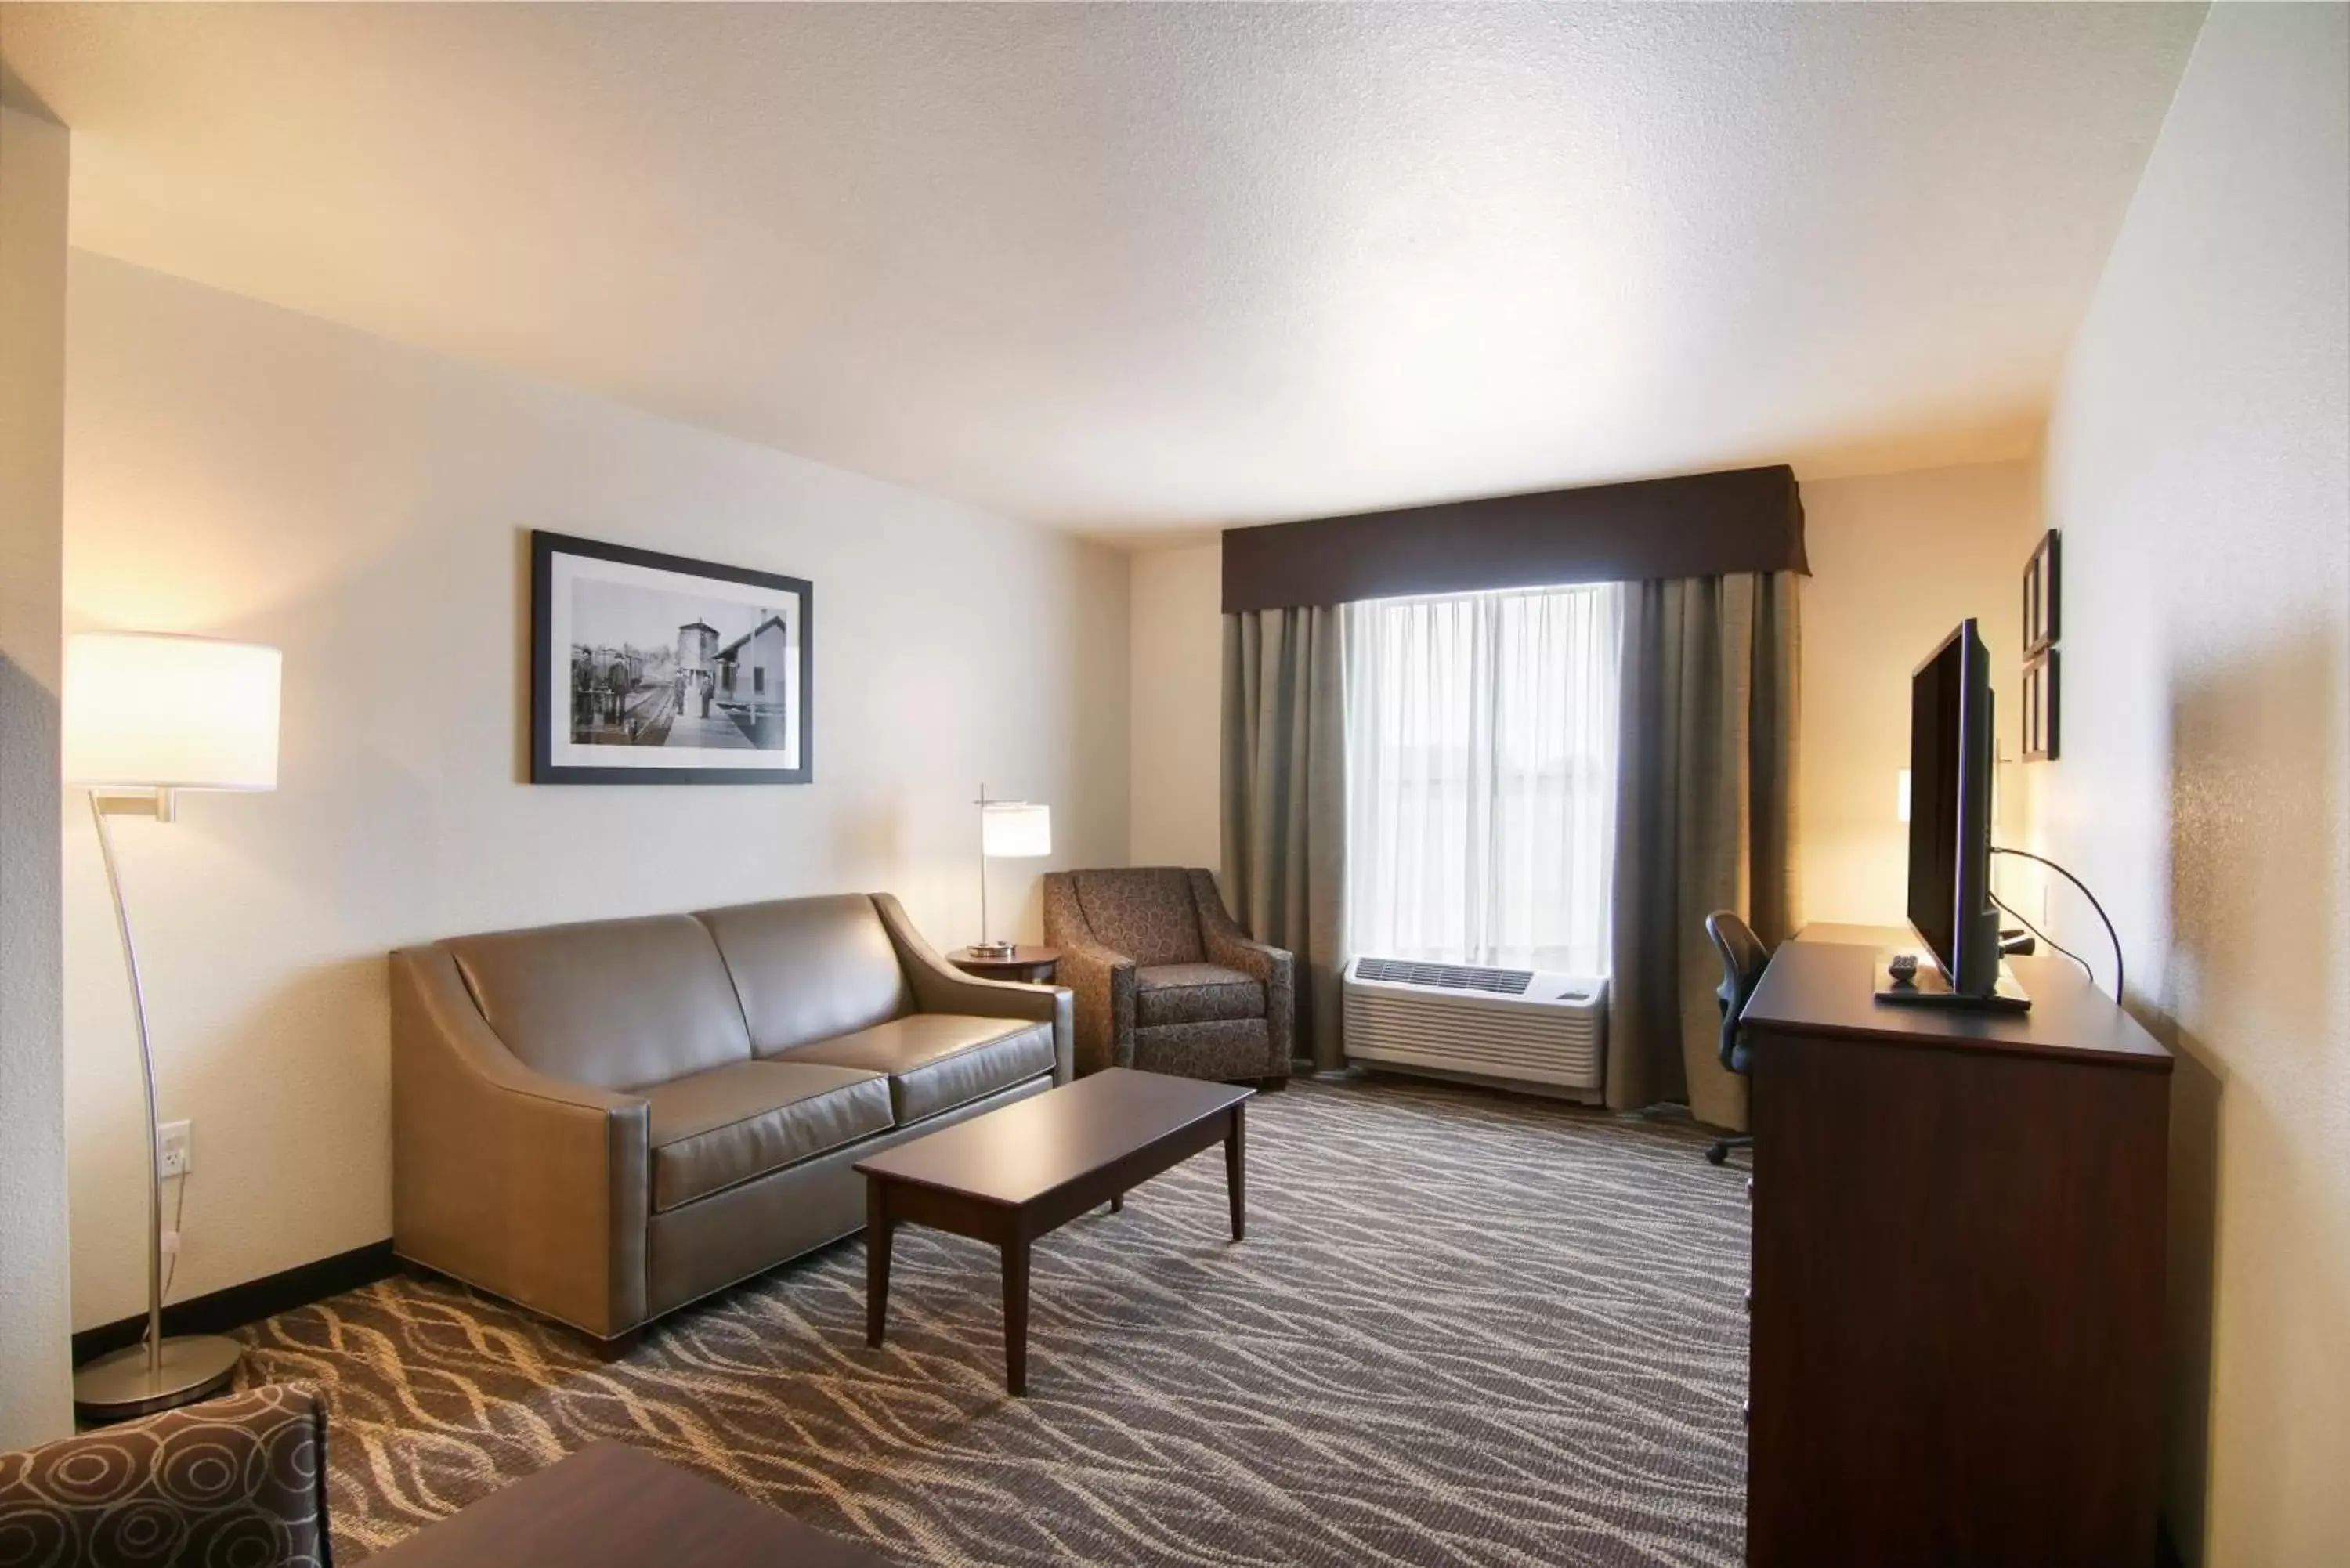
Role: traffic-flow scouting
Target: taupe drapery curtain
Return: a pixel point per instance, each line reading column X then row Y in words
column 1284, row 800
column 1704, row 810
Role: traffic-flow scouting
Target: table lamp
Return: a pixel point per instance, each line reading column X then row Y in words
column 1008, row 830
column 146, row 716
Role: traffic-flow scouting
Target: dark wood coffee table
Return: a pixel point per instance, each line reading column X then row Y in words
column 1013, row 1175
column 611, row 1506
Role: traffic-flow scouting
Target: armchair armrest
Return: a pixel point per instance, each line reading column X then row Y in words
column 1274, row 968
column 261, row 1458
column 532, row 1187
column 1103, row 980
column 1102, row 977
column 939, row 987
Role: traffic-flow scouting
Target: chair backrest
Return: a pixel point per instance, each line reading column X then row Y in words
column 1143, row 911
column 241, row 1478
column 1742, row 957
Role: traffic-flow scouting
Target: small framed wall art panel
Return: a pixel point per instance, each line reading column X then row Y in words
column 653, row 669
column 2040, row 707
column 2041, row 598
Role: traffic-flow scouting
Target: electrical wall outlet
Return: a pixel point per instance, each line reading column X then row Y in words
column 171, row 1149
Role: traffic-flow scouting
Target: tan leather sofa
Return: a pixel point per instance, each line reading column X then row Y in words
column 605, row 1121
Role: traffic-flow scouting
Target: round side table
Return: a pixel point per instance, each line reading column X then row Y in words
column 1033, row 965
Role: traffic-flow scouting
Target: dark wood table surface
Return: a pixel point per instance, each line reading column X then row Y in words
column 1031, row 965
column 1016, row 1174
column 612, row 1506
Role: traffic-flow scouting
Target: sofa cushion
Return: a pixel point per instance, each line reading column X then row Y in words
column 1145, row 912
column 936, row 1061
column 809, row 969
column 1194, row 993
column 732, row 1123
column 614, row 1005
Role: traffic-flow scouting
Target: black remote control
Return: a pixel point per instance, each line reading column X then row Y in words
column 1904, row 968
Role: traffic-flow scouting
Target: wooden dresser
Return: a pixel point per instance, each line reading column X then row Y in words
column 1958, row 1235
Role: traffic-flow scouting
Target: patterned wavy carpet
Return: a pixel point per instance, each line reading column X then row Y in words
column 1466, row 1329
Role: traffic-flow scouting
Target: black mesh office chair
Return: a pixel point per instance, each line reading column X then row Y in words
column 1742, row 957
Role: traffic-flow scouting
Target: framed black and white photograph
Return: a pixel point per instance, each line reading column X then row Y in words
column 653, row 669
column 2040, row 598
column 2040, row 707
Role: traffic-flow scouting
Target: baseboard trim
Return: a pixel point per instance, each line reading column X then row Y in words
column 238, row 1305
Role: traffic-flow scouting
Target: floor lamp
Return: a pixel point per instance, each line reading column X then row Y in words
column 147, row 716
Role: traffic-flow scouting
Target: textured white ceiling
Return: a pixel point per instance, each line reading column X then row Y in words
column 1126, row 268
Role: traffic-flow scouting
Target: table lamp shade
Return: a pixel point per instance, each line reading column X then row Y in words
column 146, row 711
column 1015, row 830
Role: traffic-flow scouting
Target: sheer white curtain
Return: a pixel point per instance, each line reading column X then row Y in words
column 1480, row 777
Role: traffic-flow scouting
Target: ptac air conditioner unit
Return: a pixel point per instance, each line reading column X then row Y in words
column 1527, row 1028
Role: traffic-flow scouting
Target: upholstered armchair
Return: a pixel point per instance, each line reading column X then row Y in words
column 239, row 1480
column 1165, row 979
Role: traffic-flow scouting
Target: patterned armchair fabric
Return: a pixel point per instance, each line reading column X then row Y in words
column 1165, row 979
column 234, row 1482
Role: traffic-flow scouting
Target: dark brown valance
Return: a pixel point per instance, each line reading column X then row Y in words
column 1697, row 525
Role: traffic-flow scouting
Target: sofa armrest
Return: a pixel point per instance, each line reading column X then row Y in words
column 939, row 987
column 242, row 1477
column 532, row 1187
column 1274, row 968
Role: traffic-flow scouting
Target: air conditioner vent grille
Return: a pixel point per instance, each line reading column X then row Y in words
column 1446, row 976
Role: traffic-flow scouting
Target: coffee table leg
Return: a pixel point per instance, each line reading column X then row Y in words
column 1235, row 1171
column 1117, row 1203
column 878, row 1230
column 1015, row 1315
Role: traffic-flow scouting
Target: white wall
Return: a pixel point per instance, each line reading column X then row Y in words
column 1177, row 660
column 235, row 469
column 1898, row 560
column 34, row 1394
column 2197, row 462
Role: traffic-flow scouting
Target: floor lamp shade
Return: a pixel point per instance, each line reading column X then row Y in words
column 144, row 711
column 147, row 716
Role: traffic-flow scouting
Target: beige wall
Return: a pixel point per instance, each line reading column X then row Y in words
column 1177, row 663
column 236, row 469
column 35, row 1397
column 2197, row 462
column 1898, row 560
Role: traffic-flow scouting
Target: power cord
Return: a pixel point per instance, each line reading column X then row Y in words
column 2110, row 936
column 2046, row 939
column 179, row 1213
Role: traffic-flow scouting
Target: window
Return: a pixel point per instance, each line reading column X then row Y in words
column 1480, row 763
column 758, row 679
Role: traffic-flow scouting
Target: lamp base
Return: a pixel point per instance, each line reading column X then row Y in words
column 994, row 949
column 120, row 1386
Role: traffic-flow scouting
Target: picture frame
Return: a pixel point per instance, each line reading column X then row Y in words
column 2041, row 707
column 2043, row 596
column 648, row 667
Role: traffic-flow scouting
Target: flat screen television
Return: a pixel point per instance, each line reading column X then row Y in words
column 1952, row 755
